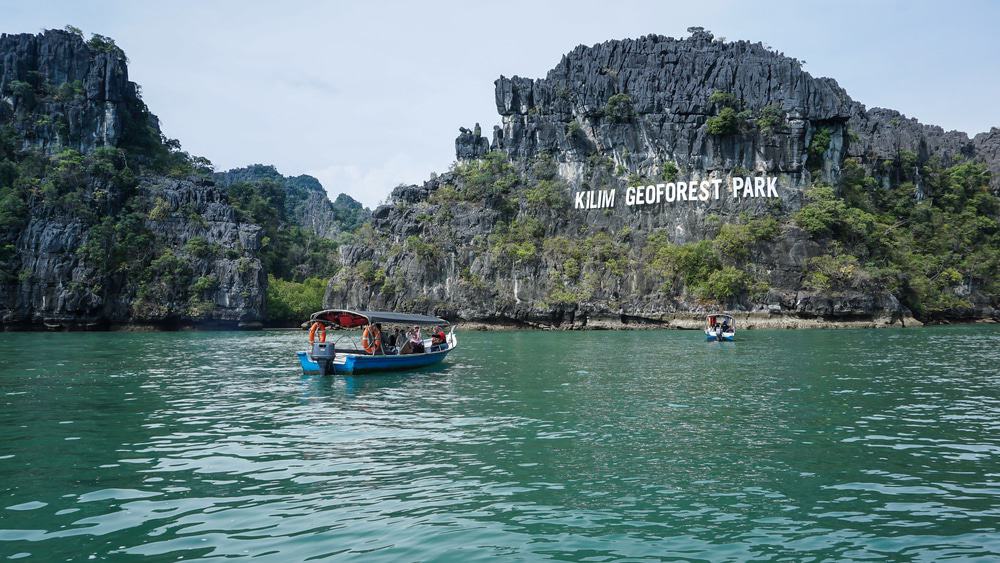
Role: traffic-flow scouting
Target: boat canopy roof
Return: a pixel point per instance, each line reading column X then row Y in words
column 726, row 315
column 350, row 319
column 724, row 318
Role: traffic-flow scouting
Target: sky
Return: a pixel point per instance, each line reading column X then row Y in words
column 369, row 95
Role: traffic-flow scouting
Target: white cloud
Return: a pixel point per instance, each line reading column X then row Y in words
column 372, row 184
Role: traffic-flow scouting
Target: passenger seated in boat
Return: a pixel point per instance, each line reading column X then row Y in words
column 438, row 337
column 414, row 344
column 396, row 340
column 388, row 342
column 402, row 340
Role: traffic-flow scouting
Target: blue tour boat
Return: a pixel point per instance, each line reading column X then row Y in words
column 374, row 350
column 720, row 328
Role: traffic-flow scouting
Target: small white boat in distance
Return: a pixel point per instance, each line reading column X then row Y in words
column 720, row 327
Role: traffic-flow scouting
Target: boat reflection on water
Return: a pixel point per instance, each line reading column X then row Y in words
column 317, row 387
column 357, row 385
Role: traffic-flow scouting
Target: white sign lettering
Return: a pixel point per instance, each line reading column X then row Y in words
column 595, row 199
column 676, row 192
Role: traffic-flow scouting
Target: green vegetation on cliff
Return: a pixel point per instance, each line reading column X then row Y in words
column 619, row 109
column 120, row 223
column 727, row 122
column 929, row 246
column 290, row 252
column 489, row 178
column 717, row 270
column 100, row 193
column 302, row 231
column 103, row 219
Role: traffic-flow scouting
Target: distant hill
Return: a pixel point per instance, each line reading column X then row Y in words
column 306, row 202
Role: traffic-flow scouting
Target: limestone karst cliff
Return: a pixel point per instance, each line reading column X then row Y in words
column 880, row 217
column 306, row 202
column 104, row 221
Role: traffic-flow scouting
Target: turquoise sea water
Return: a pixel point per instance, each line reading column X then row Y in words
column 799, row 445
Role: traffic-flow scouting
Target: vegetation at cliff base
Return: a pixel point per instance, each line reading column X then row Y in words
column 155, row 235
column 929, row 246
column 101, row 193
column 717, row 270
column 292, row 302
column 289, row 251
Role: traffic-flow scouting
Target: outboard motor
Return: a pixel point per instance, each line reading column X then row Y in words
column 323, row 354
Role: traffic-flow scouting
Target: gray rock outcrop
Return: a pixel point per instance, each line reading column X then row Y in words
column 306, row 200
column 628, row 111
column 91, row 238
column 80, row 93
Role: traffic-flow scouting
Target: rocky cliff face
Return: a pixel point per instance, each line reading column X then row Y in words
column 70, row 276
column 306, row 202
column 670, row 83
column 494, row 239
column 987, row 148
column 102, row 220
column 79, row 93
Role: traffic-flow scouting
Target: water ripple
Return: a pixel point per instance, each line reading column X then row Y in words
column 830, row 445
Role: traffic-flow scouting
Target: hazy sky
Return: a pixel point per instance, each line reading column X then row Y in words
column 367, row 95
